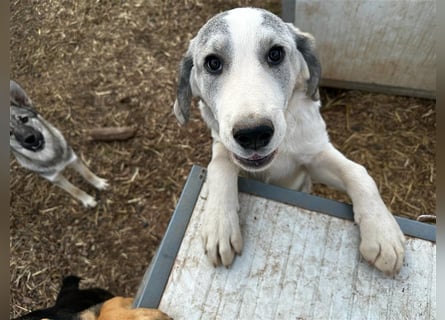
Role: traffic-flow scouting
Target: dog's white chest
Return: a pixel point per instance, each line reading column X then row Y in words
column 285, row 172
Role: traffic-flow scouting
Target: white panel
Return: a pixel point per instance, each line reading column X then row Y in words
column 296, row 264
column 383, row 42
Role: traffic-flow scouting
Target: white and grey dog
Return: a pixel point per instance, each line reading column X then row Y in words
column 41, row 148
column 257, row 80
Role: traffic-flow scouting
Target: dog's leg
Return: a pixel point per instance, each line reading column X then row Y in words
column 221, row 233
column 60, row 181
column 89, row 176
column 382, row 241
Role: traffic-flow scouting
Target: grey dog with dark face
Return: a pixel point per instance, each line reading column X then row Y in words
column 41, row 148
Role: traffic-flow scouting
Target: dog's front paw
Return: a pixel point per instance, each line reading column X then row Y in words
column 101, row 184
column 382, row 243
column 221, row 235
column 88, row 201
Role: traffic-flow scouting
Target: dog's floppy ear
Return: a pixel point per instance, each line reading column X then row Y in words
column 18, row 95
column 305, row 43
column 184, row 91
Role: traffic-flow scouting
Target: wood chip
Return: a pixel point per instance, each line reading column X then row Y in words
column 110, row 133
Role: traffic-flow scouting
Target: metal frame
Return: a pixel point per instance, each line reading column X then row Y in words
column 155, row 279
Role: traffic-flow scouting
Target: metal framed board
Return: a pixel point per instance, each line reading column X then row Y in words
column 300, row 261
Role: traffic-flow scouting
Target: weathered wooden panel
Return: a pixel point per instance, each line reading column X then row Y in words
column 296, row 264
column 386, row 45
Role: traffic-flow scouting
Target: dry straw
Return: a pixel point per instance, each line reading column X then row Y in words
column 89, row 64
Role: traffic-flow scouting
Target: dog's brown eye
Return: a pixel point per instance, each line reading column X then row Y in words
column 24, row 119
column 213, row 64
column 275, row 55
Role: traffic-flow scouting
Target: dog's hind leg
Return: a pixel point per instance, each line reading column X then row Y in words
column 89, row 176
column 60, row 181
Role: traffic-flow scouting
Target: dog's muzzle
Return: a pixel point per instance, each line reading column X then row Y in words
column 253, row 140
column 30, row 139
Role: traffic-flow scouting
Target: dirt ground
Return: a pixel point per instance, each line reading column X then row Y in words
column 89, row 64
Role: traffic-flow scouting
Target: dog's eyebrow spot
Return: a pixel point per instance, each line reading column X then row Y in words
column 215, row 26
column 273, row 22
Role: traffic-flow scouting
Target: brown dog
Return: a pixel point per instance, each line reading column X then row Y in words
column 119, row 308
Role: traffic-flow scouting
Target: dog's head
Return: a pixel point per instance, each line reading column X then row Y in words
column 24, row 122
column 244, row 65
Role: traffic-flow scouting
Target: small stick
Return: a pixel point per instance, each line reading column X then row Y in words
column 110, row 133
column 427, row 218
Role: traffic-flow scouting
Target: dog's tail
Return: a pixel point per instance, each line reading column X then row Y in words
column 68, row 283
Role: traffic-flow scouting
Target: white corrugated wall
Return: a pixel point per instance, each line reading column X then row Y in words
column 383, row 45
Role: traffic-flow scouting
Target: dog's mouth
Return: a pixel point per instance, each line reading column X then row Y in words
column 36, row 146
column 256, row 161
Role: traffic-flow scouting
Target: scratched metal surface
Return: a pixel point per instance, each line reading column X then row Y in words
column 297, row 264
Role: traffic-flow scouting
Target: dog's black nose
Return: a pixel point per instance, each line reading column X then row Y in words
column 32, row 140
column 254, row 138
